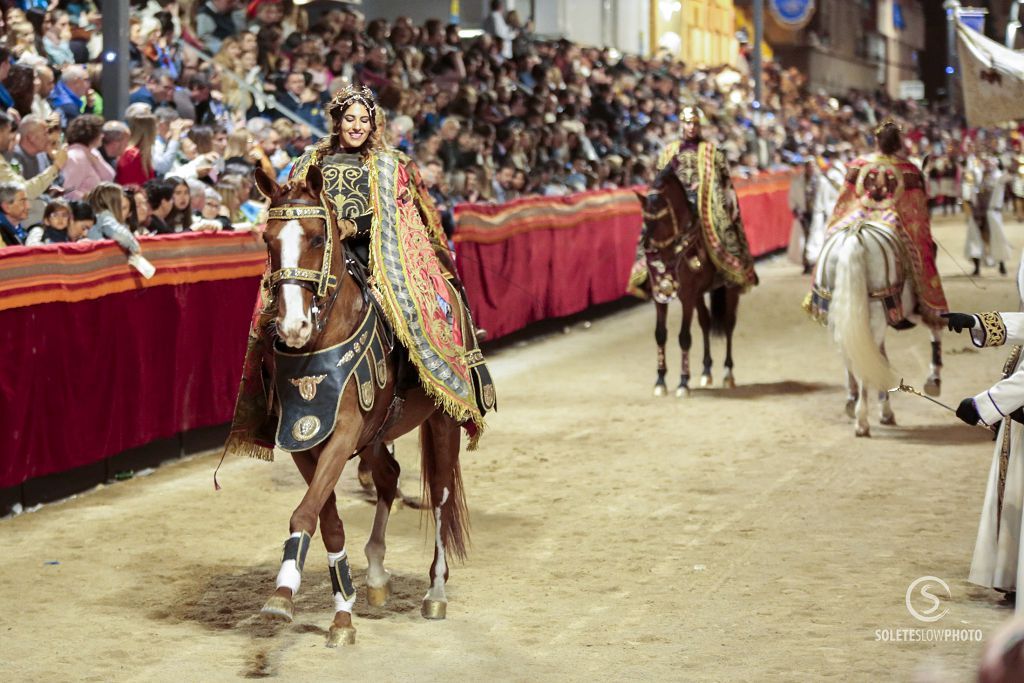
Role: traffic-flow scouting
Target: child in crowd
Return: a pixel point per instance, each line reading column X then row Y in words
column 112, row 208
column 54, row 228
column 82, row 220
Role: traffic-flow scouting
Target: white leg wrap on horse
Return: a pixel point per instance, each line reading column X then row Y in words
column 436, row 591
column 290, row 575
column 341, row 582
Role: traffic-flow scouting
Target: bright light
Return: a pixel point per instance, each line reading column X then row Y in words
column 110, row 57
column 669, row 8
column 470, row 33
column 949, row 70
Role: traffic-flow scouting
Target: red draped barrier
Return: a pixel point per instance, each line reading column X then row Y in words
column 546, row 257
column 97, row 360
column 113, row 361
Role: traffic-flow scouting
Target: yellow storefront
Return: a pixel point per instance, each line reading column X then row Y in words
column 695, row 31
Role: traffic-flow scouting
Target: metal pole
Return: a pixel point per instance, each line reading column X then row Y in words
column 758, row 37
column 115, row 76
column 952, row 7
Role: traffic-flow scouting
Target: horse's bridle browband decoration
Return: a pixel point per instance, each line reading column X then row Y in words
column 323, row 279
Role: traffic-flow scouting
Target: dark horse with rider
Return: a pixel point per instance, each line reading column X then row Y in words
column 693, row 243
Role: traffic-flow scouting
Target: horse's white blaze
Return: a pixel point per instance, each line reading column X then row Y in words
column 291, row 248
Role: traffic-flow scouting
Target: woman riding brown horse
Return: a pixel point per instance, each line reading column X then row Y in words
column 679, row 266
column 323, row 308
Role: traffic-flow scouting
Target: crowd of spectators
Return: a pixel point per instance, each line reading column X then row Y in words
column 493, row 117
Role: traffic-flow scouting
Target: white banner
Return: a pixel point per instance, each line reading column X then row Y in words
column 992, row 77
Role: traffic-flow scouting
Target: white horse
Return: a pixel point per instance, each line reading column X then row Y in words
column 861, row 276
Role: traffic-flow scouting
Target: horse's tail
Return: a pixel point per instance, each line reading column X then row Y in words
column 849, row 315
column 719, row 312
column 438, row 453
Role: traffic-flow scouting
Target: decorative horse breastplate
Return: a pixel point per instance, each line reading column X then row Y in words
column 310, row 385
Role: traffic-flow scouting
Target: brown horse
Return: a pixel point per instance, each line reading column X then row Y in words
column 323, row 305
column 679, row 266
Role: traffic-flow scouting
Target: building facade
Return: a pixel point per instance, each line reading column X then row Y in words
column 861, row 44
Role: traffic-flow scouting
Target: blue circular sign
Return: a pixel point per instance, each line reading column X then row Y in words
column 792, row 13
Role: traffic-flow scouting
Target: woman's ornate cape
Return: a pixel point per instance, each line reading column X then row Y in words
column 907, row 199
column 414, row 291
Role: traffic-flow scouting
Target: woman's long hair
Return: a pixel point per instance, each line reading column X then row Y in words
column 374, row 141
column 143, row 137
column 107, row 197
column 239, row 144
column 180, row 217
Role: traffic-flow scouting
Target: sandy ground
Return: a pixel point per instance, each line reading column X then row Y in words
column 736, row 535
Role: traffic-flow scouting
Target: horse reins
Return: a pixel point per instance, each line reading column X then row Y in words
column 320, row 282
column 323, row 283
column 685, row 240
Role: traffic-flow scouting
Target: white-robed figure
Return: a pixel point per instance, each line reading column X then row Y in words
column 998, row 562
column 801, row 201
column 825, row 197
column 994, row 186
column 984, row 192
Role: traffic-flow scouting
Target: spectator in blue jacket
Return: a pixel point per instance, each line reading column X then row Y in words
column 295, row 84
column 68, row 96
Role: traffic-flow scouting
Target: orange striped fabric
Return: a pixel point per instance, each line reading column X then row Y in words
column 491, row 223
column 90, row 270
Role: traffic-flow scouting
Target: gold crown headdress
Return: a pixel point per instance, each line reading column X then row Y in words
column 887, row 123
column 350, row 94
column 692, row 114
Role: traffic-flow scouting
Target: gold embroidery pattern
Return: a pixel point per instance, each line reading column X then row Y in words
column 995, row 330
column 307, row 385
column 347, row 183
column 1004, row 446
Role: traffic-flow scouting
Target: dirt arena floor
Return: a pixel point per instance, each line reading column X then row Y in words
column 737, row 535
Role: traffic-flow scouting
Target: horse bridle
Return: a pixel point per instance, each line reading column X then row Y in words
column 320, row 282
column 686, row 240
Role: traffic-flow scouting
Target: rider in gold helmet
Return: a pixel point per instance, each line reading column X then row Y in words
column 703, row 171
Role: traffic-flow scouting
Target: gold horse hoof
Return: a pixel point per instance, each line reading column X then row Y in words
column 706, row 381
column 378, row 596
column 341, row 635
column 933, row 387
column 660, row 390
column 278, row 608
column 433, row 609
column 866, row 432
column 729, row 382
